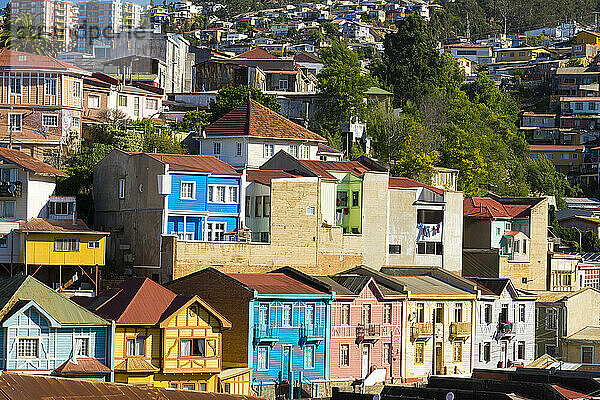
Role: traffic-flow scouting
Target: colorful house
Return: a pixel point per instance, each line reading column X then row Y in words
column 43, row 332
column 163, row 339
column 143, row 197
column 281, row 327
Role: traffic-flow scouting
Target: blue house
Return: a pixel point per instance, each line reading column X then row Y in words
column 281, row 327
column 43, row 332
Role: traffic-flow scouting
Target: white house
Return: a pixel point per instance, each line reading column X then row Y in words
column 251, row 134
column 478, row 53
column 137, row 103
column 505, row 326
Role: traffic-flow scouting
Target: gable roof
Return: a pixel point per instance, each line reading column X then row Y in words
column 46, row 225
column 322, row 168
column 29, row 163
column 257, row 54
column 19, row 59
column 274, row 283
column 62, row 309
column 194, row 163
column 265, row 176
column 141, row 301
column 498, row 207
column 253, row 119
column 82, row 366
column 407, row 183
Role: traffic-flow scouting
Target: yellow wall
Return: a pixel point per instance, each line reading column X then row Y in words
column 162, row 380
column 587, row 38
column 238, row 384
column 573, row 352
column 40, row 250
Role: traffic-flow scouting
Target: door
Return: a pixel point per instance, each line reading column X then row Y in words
column 439, row 359
column 366, row 353
column 503, row 350
column 285, row 363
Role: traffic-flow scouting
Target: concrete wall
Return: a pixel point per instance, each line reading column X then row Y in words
column 375, row 218
column 453, row 232
column 538, row 245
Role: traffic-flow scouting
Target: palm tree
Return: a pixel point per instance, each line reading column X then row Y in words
column 27, row 36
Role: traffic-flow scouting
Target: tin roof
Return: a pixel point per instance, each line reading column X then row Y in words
column 322, row 148
column 62, row 309
column 133, row 365
column 29, row 163
column 273, row 283
column 257, row 54
column 264, row 176
column 586, row 334
column 82, row 366
column 322, row 168
column 22, row 386
column 498, row 207
column 19, row 59
column 253, row 119
column 45, row 225
column 401, row 182
column 194, row 163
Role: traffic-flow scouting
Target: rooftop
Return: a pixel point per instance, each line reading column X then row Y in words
column 498, row 207
column 265, row 176
column 45, row 225
column 554, row 147
column 194, row 163
column 587, row 334
column 322, row 168
column 29, row 163
column 273, row 283
column 407, row 183
column 18, row 59
column 257, row 54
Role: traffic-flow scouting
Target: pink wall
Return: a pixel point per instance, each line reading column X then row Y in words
column 346, row 334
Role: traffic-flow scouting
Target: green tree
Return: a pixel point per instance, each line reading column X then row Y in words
column 574, row 62
column 157, row 143
column 230, row 98
column 332, row 31
column 24, row 34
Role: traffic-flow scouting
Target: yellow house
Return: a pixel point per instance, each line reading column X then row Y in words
column 522, row 53
column 587, row 37
column 163, row 339
column 583, row 346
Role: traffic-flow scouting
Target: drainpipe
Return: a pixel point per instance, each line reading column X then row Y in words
column 25, row 252
column 111, row 360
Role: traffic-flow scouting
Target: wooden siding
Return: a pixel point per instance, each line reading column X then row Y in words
column 40, row 250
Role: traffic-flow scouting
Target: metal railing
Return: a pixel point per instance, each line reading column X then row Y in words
column 460, row 329
column 368, row 330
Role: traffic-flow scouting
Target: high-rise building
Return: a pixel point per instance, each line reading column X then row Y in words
column 56, row 17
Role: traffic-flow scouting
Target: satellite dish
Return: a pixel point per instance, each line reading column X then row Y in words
column 450, row 396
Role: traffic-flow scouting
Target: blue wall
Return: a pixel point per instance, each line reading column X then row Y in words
column 291, row 336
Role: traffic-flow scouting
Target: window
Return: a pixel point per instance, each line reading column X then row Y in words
column 81, row 347
column 93, row 101
column 575, row 155
column 263, row 314
column 342, row 199
column 524, row 246
column 516, row 246
column 305, row 150
column 122, row 101
column 439, row 313
column 263, row 359
column 193, row 348
column 188, row 386
column 521, row 351
column 238, row 149
column 49, row 120
column 457, row 351
column 216, row 231
column 76, row 121
column 232, row 194
column 549, row 156
column 188, row 190
column 487, row 351
column 458, row 312
column 310, row 210
column 122, row 188
column 309, row 357
column 9, row 174
column 551, row 318
column 395, row 249
column 15, row 122
column 366, row 314
column 587, row 354
column 487, row 314
column 15, row 86
column 77, row 89
column 7, row 209
column 286, row 315
column 135, row 347
column 387, row 353
column 283, row 84
column 268, row 150
column 152, row 104
column 222, row 194
column 50, row 87
column 309, row 314
column 420, row 312
column 266, row 206
column 94, row 244
column 419, row 352
column 28, row 348
column 227, row 387
column 355, row 201
column 435, row 248
column 503, row 313
column 67, row 245
column 294, row 150
column 387, row 313
column 4, row 242
column 217, row 148
column 551, row 350
column 61, row 208
column 136, row 106
column 345, row 317
column 521, row 312
column 344, row 355
column 579, row 106
column 563, row 156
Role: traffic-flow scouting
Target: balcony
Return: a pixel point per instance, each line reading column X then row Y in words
column 11, row 189
column 421, row 331
column 266, row 334
column 312, row 333
column 506, row 330
column 460, row 330
column 368, row 332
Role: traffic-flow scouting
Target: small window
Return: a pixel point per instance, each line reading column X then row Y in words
column 50, row 120
column 226, row 387
column 294, row 150
column 488, row 314
column 66, row 245
column 122, row 188
column 387, row 353
column 283, row 84
column 309, row 314
column 81, row 347
column 216, row 231
column 309, row 357
column 345, row 314
column 286, row 315
column 77, row 89
column 487, row 351
column 28, row 348
column 457, row 347
column 232, row 194
column 395, row 249
column 419, row 352
column 94, row 244
column 267, row 206
column 50, row 87
column 521, row 350
column 551, row 318
column 355, row 199
column 587, row 354
column 217, row 148
column 3, row 242
column 268, row 150
column 263, row 359
column 521, row 312
column 310, row 210
column 193, row 347
column 188, row 386
column 122, row 101
column 258, row 208
column 387, row 313
column 7, row 209
column 15, row 86
column 458, row 312
column 238, row 149
column 344, row 355
column 188, row 191
column 420, row 313
column 93, row 101
column 15, row 122
column 151, row 104
column 305, row 149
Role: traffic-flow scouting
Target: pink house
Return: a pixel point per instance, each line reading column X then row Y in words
column 366, row 325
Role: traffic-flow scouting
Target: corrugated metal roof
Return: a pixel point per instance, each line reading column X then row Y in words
column 194, row 163
column 37, row 387
column 45, row 225
column 322, row 168
column 426, row 285
column 62, row 309
column 29, row 163
column 273, row 283
column 29, row 61
column 264, row 176
column 82, row 366
column 400, row 182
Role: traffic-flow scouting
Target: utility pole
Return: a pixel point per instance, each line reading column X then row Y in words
column 468, row 29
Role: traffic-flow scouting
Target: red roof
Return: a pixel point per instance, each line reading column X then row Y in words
column 307, row 57
column 486, row 207
column 274, row 283
column 257, row 54
column 321, row 168
column 29, row 163
column 555, row 147
column 19, row 59
column 400, row 182
column 264, row 176
column 82, row 366
column 253, row 119
column 194, row 163
column 511, row 233
column 570, row 394
column 42, row 225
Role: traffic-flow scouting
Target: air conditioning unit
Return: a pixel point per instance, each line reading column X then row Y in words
column 164, row 184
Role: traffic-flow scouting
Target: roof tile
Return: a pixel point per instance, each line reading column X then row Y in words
column 19, row 59
column 29, row 163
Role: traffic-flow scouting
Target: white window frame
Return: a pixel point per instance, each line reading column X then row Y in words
column 119, row 97
column 94, row 96
column 386, row 350
column 217, row 147
column 286, row 315
column 66, row 246
column 77, row 89
column 20, row 85
column 152, row 102
column 239, row 149
column 212, row 228
column 51, row 116
column 214, row 192
column 294, row 150
column 309, row 359
column 3, row 208
column 186, row 196
column 121, row 188
column 11, row 116
column 268, row 150
column 305, row 151
column 93, row 244
column 32, row 339
column 262, row 365
column 344, row 347
column 50, row 83
column 85, row 340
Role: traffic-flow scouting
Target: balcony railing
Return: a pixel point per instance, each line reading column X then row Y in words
column 422, row 331
column 266, row 333
column 309, row 332
column 460, row 329
column 368, row 331
column 506, row 329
